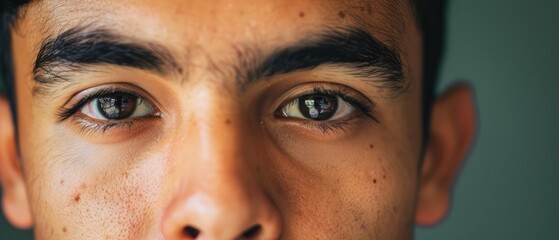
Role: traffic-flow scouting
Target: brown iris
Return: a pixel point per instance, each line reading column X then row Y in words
column 318, row 106
column 117, row 105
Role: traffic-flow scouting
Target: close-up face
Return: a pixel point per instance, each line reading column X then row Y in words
column 222, row 120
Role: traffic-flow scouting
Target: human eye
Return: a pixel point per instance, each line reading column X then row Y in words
column 327, row 106
column 117, row 106
column 107, row 108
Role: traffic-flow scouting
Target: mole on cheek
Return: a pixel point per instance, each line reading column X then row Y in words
column 77, row 195
column 371, row 146
column 375, row 180
column 228, row 121
column 341, row 14
column 64, row 229
column 301, row 14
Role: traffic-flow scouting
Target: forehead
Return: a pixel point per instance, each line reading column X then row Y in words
column 198, row 22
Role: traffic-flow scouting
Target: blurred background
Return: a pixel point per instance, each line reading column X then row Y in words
column 509, row 188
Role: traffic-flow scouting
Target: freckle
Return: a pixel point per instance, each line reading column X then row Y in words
column 180, row 70
column 341, row 14
column 64, row 229
column 302, row 14
column 61, row 182
column 77, row 198
column 371, row 146
column 228, row 121
column 383, row 176
column 375, row 180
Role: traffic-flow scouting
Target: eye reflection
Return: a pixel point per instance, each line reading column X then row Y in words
column 317, row 107
column 117, row 106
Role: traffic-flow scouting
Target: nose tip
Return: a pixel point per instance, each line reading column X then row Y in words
column 202, row 218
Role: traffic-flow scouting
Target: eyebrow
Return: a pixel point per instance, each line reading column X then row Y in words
column 362, row 54
column 353, row 49
column 78, row 47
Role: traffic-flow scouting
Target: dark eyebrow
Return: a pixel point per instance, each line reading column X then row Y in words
column 358, row 51
column 78, row 47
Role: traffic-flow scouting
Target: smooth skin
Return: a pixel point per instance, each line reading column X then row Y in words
column 218, row 159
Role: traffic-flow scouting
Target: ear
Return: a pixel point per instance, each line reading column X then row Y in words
column 453, row 125
column 14, row 195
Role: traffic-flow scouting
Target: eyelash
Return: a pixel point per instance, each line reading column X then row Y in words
column 88, row 125
column 365, row 108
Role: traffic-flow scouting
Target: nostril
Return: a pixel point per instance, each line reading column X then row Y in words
column 251, row 232
column 191, row 232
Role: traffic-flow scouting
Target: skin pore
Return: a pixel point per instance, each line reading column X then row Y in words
column 217, row 146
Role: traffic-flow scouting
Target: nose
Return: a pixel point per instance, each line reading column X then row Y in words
column 219, row 195
column 202, row 216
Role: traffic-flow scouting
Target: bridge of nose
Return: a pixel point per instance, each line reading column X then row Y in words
column 217, row 195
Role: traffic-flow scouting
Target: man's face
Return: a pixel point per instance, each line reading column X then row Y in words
column 219, row 119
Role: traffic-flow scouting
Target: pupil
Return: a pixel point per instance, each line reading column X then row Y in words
column 318, row 106
column 117, row 106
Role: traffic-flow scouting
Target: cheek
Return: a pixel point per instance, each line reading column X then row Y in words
column 360, row 186
column 92, row 192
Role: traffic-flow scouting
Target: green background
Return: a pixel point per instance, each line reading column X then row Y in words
column 509, row 51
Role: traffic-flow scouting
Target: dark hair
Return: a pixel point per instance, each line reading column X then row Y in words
column 429, row 14
column 7, row 18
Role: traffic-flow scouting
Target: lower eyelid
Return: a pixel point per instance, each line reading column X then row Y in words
column 134, row 125
column 345, row 125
